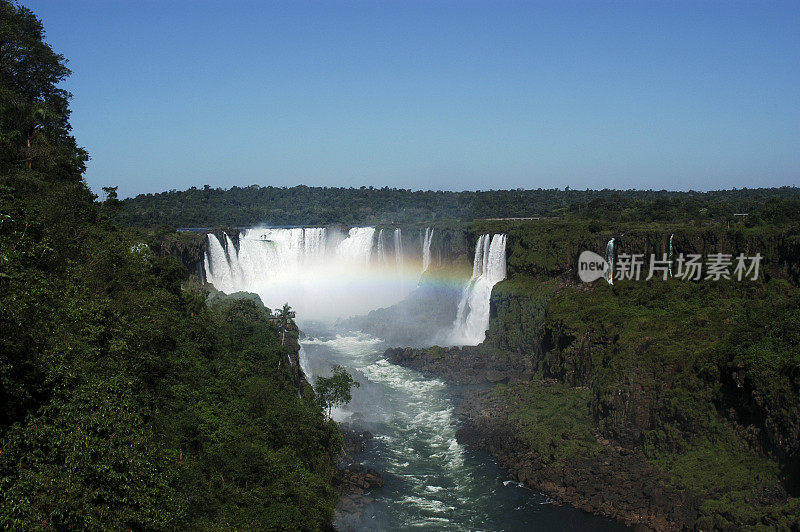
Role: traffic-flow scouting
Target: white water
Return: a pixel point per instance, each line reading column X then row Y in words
column 609, row 275
column 322, row 273
column 426, row 248
column 669, row 258
column 381, row 248
column 433, row 483
column 488, row 268
column 398, row 248
column 305, row 366
column 325, row 274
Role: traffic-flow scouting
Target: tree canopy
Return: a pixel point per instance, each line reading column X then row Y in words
column 129, row 401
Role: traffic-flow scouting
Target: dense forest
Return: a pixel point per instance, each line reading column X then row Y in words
column 668, row 403
column 700, row 379
column 129, row 402
column 302, row 205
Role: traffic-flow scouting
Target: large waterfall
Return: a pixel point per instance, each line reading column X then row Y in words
column 488, row 268
column 323, row 273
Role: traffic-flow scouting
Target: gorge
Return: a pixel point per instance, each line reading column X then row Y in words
column 432, row 480
column 514, row 336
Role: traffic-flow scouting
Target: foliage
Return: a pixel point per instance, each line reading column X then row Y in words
column 553, row 418
column 335, row 390
column 128, row 403
column 701, row 378
column 303, row 205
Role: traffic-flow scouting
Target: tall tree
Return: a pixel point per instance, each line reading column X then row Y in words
column 34, row 110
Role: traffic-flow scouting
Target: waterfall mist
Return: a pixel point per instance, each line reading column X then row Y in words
column 323, row 273
column 326, row 274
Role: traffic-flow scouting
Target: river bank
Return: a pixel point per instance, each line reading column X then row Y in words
column 610, row 480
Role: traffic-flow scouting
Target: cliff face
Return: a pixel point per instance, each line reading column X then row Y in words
column 529, row 317
column 187, row 247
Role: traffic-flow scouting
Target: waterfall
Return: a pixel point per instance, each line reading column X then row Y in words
column 305, row 366
column 669, row 257
column 322, row 273
column 217, row 265
column 358, row 244
column 609, row 274
column 426, row 248
column 381, row 249
column 488, row 268
column 398, row 248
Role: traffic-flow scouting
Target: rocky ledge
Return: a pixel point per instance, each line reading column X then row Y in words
column 615, row 482
column 354, row 480
column 462, row 365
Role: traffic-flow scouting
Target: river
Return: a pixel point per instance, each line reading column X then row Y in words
column 432, row 481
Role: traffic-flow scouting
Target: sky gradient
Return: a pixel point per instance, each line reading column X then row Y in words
column 432, row 95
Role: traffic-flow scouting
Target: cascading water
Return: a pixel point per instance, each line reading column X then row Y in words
column 398, row 248
column 358, row 244
column 381, row 248
column 305, row 366
column 669, row 257
column 321, row 273
column 488, row 268
column 433, row 482
column 426, row 248
column 609, row 274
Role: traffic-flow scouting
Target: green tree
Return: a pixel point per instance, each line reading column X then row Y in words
column 284, row 316
column 335, row 390
column 34, row 111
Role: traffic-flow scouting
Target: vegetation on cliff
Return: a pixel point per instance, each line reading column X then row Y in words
column 128, row 403
column 700, row 379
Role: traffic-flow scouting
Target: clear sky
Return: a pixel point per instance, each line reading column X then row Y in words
column 433, row 95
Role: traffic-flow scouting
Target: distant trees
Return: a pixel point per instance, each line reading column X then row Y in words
column 303, row 205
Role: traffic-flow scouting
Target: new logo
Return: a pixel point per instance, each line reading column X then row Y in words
column 591, row 266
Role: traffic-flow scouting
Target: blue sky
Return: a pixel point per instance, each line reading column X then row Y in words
column 433, row 95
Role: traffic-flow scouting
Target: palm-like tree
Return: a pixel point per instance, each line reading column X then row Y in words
column 284, row 316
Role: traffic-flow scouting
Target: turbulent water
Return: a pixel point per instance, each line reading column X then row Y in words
column 432, row 482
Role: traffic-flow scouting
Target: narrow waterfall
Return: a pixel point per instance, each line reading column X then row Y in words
column 322, row 273
column 426, row 248
column 669, row 257
column 609, row 274
column 398, row 248
column 488, row 268
column 217, row 265
column 381, row 248
column 305, row 366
